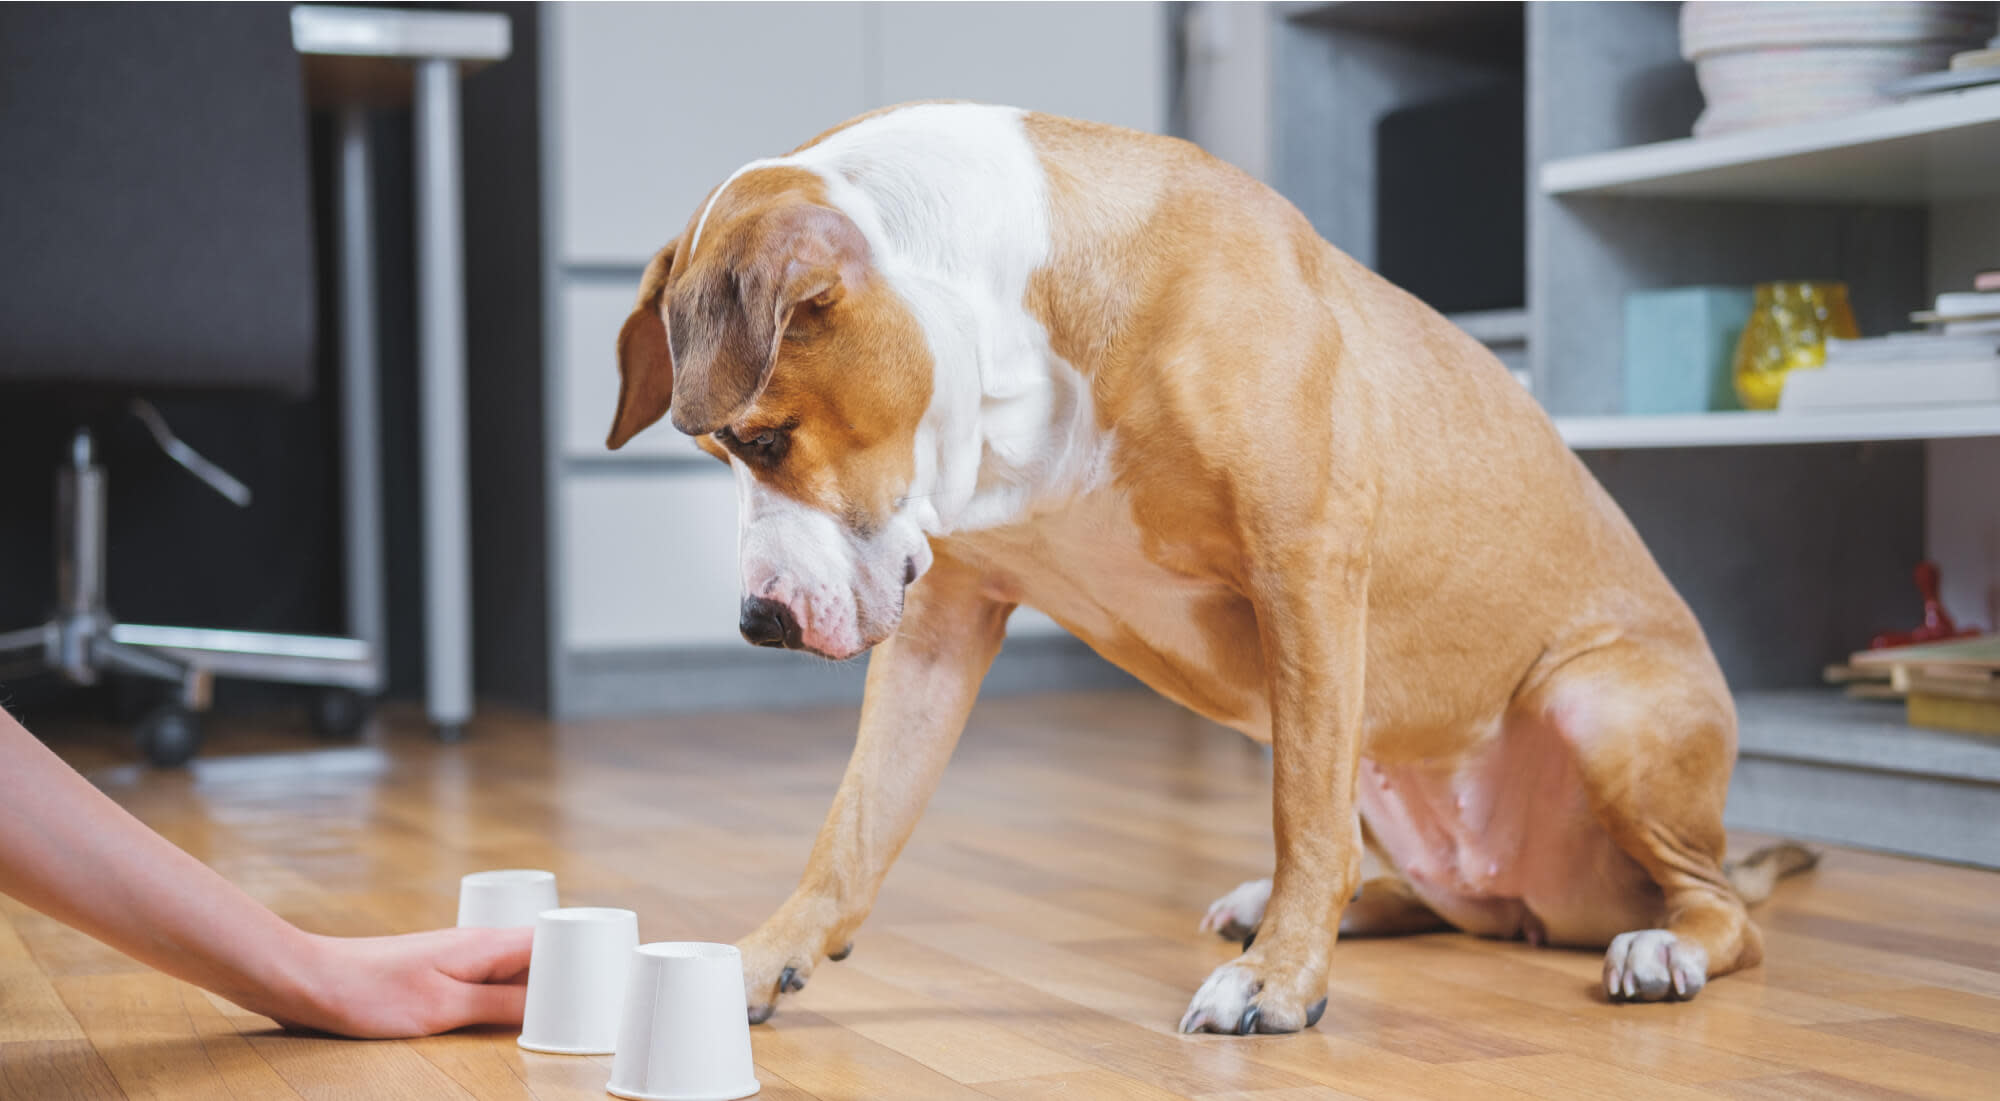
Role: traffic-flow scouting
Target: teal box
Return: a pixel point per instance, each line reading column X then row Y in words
column 1680, row 345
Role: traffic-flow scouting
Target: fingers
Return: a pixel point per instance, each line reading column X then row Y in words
column 486, row 955
column 492, row 968
column 488, row 1004
column 484, row 973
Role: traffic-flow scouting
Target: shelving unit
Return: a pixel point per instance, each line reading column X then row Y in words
column 1769, row 429
column 1900, row 202
column 1791, row 536
column 1943, row 146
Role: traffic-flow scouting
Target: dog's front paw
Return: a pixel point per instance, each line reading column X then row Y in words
column 1237, row 1000
column 1237, row 914
column 1653, row 965
column 769, row 972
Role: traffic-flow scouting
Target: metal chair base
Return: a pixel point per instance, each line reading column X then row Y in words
column 82, row 641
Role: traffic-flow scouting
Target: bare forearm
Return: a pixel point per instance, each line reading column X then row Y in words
column 69, row 851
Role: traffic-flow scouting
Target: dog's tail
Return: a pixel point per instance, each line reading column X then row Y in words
column 1755, row 875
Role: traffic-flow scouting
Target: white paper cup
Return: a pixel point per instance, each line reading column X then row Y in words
column 576, row 980
column 686, row 1031
column 507, row 899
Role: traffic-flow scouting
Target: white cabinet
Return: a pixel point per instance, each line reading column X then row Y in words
column 1103, row 62
column 591, row 311
column 645, row 107
column 654, row 104
column 650, row 559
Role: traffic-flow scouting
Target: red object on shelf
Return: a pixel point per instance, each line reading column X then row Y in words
column 1938, row 624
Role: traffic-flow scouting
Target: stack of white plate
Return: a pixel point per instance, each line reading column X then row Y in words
column 1761, row 64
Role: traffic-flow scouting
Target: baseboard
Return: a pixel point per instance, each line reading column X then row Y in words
column 688, row 681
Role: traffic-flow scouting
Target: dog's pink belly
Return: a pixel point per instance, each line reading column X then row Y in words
column 1502, row 842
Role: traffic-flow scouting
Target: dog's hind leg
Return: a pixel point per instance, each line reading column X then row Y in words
column 1385, row 906
column 1654, row 736
column 1236, row 915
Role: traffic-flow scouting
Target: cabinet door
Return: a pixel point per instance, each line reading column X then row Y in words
column 654, row 104
column 649, row 560
column 1100, row 61
column 593, row 310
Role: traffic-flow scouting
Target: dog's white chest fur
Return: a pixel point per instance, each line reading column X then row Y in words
column 953, row 201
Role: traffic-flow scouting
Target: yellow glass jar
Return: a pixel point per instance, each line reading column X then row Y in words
column 1787, row 330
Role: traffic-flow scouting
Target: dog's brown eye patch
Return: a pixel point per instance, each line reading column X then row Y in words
column 764, row 446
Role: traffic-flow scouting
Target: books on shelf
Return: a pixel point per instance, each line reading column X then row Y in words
column 1922, row 383
column 1934, row 712
column 1963, row 312
column 1902, row 370
column 1988, row 58
column 1980, row 652
column 1968, row 304
column 1944, row 685
column 1911, row 346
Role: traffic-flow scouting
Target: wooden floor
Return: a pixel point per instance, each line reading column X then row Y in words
column 1036, row 940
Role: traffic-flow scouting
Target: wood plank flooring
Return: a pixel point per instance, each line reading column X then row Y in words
column 1036, row 940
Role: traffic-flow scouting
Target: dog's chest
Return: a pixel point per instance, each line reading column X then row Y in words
column 1087, row 567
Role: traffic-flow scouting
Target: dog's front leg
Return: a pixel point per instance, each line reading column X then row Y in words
column 1312, row 619
column 921, row 685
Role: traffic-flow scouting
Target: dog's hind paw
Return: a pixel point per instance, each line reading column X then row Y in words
column 1237, row 914
column 1653, row 965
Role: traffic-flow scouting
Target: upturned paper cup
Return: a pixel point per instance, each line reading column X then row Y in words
column 686, row 1031
column 576, row 980
column 507, row 899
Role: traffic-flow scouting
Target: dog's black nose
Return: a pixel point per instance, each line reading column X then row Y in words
column 768, row 623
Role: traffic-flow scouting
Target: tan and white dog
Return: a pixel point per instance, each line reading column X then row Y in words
column 963, row 358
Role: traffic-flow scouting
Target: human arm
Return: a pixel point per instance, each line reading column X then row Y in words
column 68, row 850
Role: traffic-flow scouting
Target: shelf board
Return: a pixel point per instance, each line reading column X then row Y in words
column 1753, row 429
column 1411, row 20
column 1822, row 726
column 1932, row 147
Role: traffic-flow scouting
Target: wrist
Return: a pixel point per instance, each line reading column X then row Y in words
column 291, row 982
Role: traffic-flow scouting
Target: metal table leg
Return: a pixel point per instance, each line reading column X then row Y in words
column 441, row 358
column 361, row 450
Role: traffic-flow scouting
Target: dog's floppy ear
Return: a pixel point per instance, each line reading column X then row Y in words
column 645, row 367
column 729, row 317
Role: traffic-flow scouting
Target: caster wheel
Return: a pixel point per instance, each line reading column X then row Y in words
column 340, row 712
column 169, row 735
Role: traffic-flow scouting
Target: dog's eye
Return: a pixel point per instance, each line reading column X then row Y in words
column 765, row 444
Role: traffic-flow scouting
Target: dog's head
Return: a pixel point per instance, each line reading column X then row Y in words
column 768, row 332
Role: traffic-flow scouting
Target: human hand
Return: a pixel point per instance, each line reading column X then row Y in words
column 411, row 985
